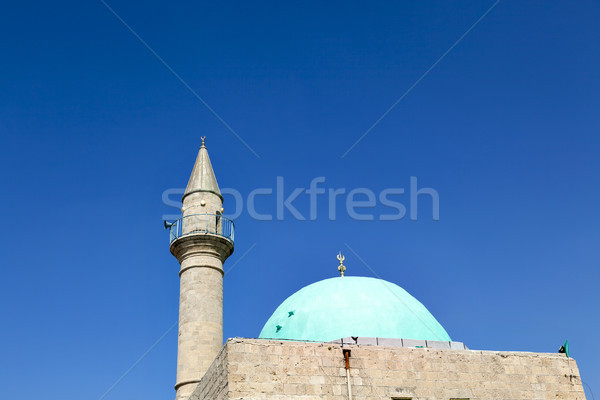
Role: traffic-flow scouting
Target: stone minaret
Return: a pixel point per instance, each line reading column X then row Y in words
column 201, row 240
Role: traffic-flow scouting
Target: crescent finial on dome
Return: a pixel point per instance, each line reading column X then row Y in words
column 341, row 267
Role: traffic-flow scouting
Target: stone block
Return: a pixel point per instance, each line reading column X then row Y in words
column 366, row 341
column 457, row 346
column 389, row 342
column 434, row 344
column 413, row 343
column 348, row 341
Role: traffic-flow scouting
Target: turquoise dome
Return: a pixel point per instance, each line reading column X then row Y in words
column 352, row 306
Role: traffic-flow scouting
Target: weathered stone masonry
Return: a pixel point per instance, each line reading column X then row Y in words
column 263, row 369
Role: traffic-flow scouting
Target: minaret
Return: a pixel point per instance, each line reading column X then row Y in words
column 201, row 240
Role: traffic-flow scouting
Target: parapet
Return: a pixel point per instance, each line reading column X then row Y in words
column 273, row 369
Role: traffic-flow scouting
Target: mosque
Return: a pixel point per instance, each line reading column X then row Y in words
column 346, row 337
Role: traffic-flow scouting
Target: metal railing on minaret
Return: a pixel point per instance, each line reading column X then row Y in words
column 214, row 224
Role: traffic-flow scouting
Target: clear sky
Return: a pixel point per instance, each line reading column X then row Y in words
column 95, row 129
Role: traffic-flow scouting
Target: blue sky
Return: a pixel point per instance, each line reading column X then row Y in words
column 95, row 128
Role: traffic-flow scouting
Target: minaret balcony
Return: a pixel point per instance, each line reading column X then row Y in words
column 201, row 224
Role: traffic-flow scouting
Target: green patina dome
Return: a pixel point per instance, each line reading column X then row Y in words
column 352, row 306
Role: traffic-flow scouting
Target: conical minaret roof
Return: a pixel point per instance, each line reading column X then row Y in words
column 203, row 177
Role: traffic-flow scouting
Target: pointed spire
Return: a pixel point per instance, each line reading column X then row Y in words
column 203, row 177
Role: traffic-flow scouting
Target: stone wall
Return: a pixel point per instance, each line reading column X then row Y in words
column 263, row 369
column 214, row 384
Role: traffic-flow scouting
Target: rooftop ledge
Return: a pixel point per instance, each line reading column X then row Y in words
column 377, row 341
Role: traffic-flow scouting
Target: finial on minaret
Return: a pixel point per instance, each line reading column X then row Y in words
column 203, row 137
column 341, row 267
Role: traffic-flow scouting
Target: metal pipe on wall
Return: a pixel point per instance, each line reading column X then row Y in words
column 347, row 358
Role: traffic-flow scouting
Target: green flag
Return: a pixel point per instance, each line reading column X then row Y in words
column 564, row 348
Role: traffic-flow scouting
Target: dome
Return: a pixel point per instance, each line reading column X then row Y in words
column 352, row 306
